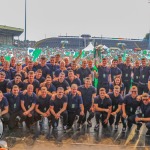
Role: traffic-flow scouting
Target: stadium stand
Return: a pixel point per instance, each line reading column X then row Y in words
column 74, row 42
column 7, row 34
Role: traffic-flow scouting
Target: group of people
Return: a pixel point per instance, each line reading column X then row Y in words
column 58, row 88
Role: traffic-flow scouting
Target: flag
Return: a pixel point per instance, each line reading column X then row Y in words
column 36, row 54
column 30, row 51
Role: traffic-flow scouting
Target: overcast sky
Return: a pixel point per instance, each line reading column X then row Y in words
column 50, row 18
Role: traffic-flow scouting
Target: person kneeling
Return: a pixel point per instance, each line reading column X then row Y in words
column 58, row 106
column 75, row 107
column 103, row 107
column 143, row 114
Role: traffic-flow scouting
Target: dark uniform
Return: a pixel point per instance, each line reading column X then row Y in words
column 131, row 105
column 76, row 81
column 120, row 66
column 105, row 103
column 50, row 88
column 35, row 84
column 143, row 81
column 22, row 75
column 45, row 70
column 87, row 100
column 3, row 85
column 12, row 83
column 142, row 112
column 43, row 106
column 9, row 73
column 83, row 73
column 3, row 104
column 58, row 105
column 115, row 102
column 14, row 108
column 114, row 72
column 136, row 76
column 73, row 108
column 53, row 68
column 103, row 73
column 111, row 87
column 58, row 71
column 63, row 84
column 41, row 79
column 126, row 77
column 28, row 101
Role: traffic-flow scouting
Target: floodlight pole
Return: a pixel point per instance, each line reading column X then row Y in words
column 25, row 21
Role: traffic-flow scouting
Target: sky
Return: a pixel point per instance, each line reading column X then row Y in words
column 51, row 18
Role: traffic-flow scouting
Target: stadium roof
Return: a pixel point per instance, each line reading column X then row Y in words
column 6, row 30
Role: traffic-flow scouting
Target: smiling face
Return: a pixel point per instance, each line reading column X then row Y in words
column 15, row 90
column 17, row 79
column 60, row 92
column 62, row 64
column 117, row 81
column 116, row 90
column 128, row 61
column 43, row 91
column 145, row 98
column 48, row 80
column 6, row 66
column 87, row 82
column 137, row 64
column 70, row 74
column 104, row 62
column 66, row 60
column 114, row 63
column 30, row 89
column 102, row 93
column 74, row 89
column 2, row 59
column 90, row 63
column 52, row 60
column 2, row 76
column 31, row 75
column 143, row 62
column 84, row 64
column 134, row 91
